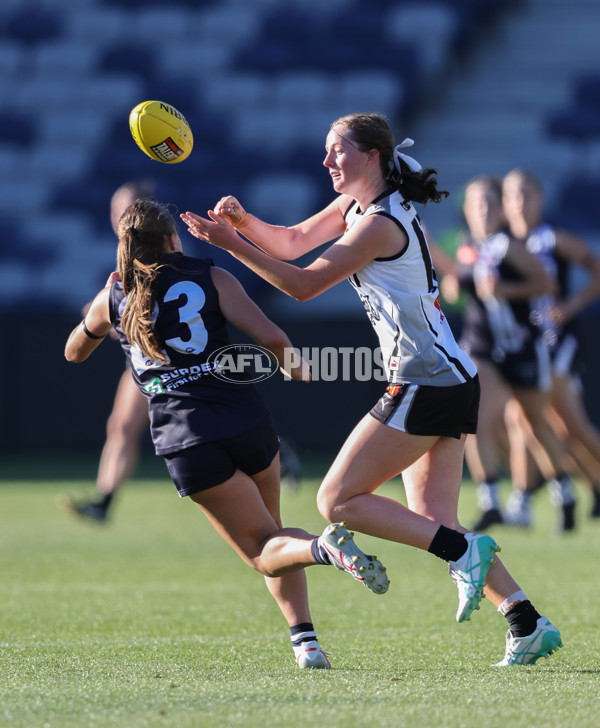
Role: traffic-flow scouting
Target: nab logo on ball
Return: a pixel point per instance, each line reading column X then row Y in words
column 167, row 151
column 161, row 131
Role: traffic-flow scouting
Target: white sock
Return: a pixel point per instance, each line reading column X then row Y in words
column 488, row 496
column 518, row 596
column 519, row 498
column 561, row 490
column 300, row 634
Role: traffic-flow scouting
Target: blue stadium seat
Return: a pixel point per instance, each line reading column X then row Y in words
column 578, row 204
column 137, row 4
column 580, row 122
column 271, row 54
column 9, row 241
column 374, row 90
column 227, row 92
column 282, row 198
column 139, row 59
column 30, row 27
column 54, row 161
column 437, row 26
column 65, row 58
column 232, row 26
column 286, row 23
column 167, row 22
column 101, row 25
column 179, row 92
column 473, row 16
column 577, row 125
column 13, row 58
column 587, row 92
column 17, row 129
column 364, row 25
column 71, row 124
column 25, row 192
column 90, row 196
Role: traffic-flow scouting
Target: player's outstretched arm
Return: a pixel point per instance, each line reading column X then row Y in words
column 286, row 243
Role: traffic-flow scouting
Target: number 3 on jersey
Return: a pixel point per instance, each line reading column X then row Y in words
column 192, row 299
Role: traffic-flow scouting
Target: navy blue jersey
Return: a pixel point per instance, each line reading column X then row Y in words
column 187, row 403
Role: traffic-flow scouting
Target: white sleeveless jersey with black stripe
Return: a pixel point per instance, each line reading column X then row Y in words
column 510, row 321
column 541, row 242
column 400, row 296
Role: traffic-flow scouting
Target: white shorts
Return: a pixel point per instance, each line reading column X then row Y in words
column 564, row 356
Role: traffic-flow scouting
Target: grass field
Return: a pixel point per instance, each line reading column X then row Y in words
column 152, row 621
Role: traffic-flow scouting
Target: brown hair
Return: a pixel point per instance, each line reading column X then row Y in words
column 143, row 231
column 370, row 130
column 488, row 181
column 528, row 177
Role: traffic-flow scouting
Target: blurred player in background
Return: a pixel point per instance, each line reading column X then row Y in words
column 556, row 316
column 215, row 433
column 507, row 340
column 128, row 419
column 500, row 278
column 486, row 451
column 419, row 426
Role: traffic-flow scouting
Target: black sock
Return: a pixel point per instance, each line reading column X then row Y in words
column 104, row 501
column 319, row 554
column 303, row 632
column 448, row 544
column 522, row 619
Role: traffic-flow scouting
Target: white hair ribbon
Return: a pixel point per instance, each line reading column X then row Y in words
column 413, row 165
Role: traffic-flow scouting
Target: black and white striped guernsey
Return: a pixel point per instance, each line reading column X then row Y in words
column 401, row 298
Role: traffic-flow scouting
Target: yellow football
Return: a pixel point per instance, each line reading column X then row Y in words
column 161, row 131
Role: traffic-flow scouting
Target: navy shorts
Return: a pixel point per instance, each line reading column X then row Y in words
column 211, row 463
column 424, row 410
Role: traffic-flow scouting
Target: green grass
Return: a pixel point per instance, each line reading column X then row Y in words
column 152, row 621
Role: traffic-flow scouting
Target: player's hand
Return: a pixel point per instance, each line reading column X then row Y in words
column 294, row 366
column 230, row 208
column 216, row 231
column 487, row 287
column 562, row 313
column 450, row 288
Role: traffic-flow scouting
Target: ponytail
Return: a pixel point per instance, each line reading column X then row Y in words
column 143, row 230
column 420, row 187
column 413, row 182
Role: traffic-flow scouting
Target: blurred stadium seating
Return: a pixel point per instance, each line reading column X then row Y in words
column 259, row 82
column 578, row 122
column 481, row 85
